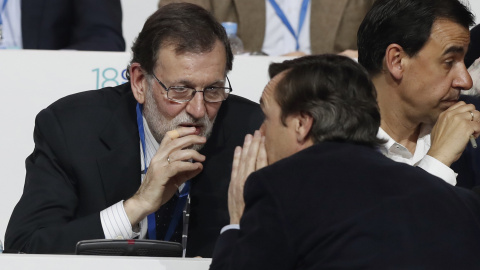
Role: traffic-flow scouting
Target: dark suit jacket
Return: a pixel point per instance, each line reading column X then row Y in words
column 87, row 158
column 345, row 206
column 468, row 165
column 93, row 25
column 473, row 52
column 333, row 24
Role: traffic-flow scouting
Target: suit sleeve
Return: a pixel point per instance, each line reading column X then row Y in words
column 352, row 17
column 44, row 220
column 262, row 241
column 97, row 26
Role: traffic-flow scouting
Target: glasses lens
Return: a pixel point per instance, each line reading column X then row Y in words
column 180, row 93
column 216, row 94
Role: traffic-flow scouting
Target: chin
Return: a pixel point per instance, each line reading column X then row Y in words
column 447, row 104
column 197, row 147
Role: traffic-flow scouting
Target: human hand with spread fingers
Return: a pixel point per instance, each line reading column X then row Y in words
column 173, row 164
column 247, row 159
column 452, row 132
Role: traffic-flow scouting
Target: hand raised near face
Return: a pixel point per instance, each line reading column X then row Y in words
column 173, row 164
column 452, row 131
column 251, row 157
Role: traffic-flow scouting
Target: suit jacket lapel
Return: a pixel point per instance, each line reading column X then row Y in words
column 120, row 166
column 324, row 24
column 220, row 132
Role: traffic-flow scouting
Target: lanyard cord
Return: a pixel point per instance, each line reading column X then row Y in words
column 2, row 10
column 152, row 233
column 301, row 19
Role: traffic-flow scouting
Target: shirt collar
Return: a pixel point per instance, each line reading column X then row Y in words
column 393, row 148
column 151, row 145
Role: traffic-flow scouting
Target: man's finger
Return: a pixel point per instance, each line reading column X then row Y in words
column 186, row 155
column 178, row 133
column 184, row 171
column 456, row 105
column 236, row 161
column 262, row 159
column 253, row 152
column 246, row 145
column 173, row 134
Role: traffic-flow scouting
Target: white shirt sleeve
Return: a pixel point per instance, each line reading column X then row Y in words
column 230, row 227
column 437, row 168
column 116, row 225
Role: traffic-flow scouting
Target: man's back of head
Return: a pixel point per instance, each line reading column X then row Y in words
column 332, row 89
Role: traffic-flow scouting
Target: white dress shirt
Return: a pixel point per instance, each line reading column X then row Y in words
column 11, row 25
column 400, row 153
column 278, row 39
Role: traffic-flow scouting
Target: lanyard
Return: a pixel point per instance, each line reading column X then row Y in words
column 183, row 196
column 301, row 19
column 1, row 21
column 2, row 10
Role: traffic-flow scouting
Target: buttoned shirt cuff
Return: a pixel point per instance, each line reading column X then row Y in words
column 115, row 223
column 230, row 227
column 437, row 168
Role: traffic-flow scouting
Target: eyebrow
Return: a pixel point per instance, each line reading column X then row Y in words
column 187, row 82
column 454, row 49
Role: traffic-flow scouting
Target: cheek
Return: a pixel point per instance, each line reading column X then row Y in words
column 212, row 109
column 262, row 129
column 272, row 145
column 167, row 108
column 270, row 151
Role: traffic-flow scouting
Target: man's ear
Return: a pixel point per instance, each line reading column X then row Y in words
column 138, row 81
column 303, row 125
column 395, row 60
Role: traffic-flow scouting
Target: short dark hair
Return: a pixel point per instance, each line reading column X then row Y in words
column 407, row 23
column 336, row 91
column 186, row 26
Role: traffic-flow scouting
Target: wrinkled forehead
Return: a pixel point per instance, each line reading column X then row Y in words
column 451, row 36
column 173, row 51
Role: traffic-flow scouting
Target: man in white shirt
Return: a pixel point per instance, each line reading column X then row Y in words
column 291, row 27
column 414, row 51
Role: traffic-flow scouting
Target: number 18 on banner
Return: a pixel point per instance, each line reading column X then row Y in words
column 109, row 77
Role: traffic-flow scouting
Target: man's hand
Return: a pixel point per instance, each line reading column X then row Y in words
column 452, row 131
column 168, row 169
column 251, row 157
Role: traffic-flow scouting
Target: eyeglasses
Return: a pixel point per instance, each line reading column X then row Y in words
column 183, row 94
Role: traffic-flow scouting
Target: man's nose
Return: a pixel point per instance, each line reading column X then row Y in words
column 463, row 80
column 196, row 106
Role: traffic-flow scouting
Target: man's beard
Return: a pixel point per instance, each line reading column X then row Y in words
column 159, row 125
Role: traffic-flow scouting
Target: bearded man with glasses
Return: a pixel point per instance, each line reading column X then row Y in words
column 147, row 159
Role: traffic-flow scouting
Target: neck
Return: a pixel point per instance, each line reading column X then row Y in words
column 394, row 117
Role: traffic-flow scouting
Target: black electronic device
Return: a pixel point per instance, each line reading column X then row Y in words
column 132, row 247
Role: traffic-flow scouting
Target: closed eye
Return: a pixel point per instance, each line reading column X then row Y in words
column 180, row 89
